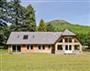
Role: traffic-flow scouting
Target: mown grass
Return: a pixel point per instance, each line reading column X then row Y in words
column 44, row 62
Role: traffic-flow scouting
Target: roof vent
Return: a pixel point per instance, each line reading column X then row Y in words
column 33, row 36
column 18, row 36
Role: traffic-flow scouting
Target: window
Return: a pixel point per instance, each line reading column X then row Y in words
column 70, row 39
column 66, row 48
column 39, row 47
column 28, row 47
column 70, row 47
column 31, row 47
column 48, row 46
column 43, row 47
column 76, row 47
column 19, row 48
column 25, row 37
column 14, row 48
column 66, row 39
column 59, row 47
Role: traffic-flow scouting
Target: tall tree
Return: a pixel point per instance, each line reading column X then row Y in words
column 42, row 26
column 50, row 28
column 3, row 12
column 3, row 19
column 30, row 18
column 23, row 19
column 17, row 14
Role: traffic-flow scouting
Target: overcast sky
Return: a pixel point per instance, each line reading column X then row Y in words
column 74, row 11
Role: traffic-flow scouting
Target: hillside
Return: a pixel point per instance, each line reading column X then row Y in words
column 81, row 31
column 60, row 25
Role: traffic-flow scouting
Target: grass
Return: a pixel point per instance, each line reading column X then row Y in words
column 44, row 62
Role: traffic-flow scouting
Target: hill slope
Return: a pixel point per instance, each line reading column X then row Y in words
column 60, row 25
column 81, row 31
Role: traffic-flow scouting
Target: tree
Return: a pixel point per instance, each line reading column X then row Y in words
column 30, row 18
column 15, row 11
column 3, row 7
column 24, row 18
column 3, row 19
column 89, row 39
column 42, row 26
column 17, row 15
column 50, row 28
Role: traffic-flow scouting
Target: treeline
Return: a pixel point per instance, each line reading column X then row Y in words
column 20, row 18
column 23, row 19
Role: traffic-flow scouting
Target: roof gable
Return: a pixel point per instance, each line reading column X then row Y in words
column 68, row 33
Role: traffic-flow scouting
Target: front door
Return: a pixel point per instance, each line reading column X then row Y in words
column 68, row 49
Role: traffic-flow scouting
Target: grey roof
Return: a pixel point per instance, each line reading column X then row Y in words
column 33, row 37
column 36, row 37
column 67, row 32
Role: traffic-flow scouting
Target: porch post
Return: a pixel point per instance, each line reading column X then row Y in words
column 72, row 40
column 72, row 47
column 16, row 48
column 63, row 45
column 80, row 48
column 10, row 49
column 55, row 48
column 63, row 48
column 63, row 40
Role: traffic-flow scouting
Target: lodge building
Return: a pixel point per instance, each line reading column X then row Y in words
column 65, row 42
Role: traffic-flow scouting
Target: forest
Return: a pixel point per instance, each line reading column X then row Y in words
column 15, row 17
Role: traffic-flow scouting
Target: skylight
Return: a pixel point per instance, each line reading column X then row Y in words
column 25, row 37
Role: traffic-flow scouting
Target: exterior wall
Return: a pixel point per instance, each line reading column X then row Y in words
column 34, row 50
column 37, row 50
column 24, row 49
column 52, row 49
column 73, row 43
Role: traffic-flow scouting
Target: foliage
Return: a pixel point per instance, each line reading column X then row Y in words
column 81, row 31
column 21, row 18
column 89, row 39
column 17, row 14
column 3, row 18
column 50, row 27
column 30, row 20
column 42, row 26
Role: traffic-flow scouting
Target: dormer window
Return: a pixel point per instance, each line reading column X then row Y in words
column 25, row 37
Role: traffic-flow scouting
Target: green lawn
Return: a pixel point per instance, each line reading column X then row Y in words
column 44, row 62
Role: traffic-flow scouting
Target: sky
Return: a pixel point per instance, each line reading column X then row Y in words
column 73, row 11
